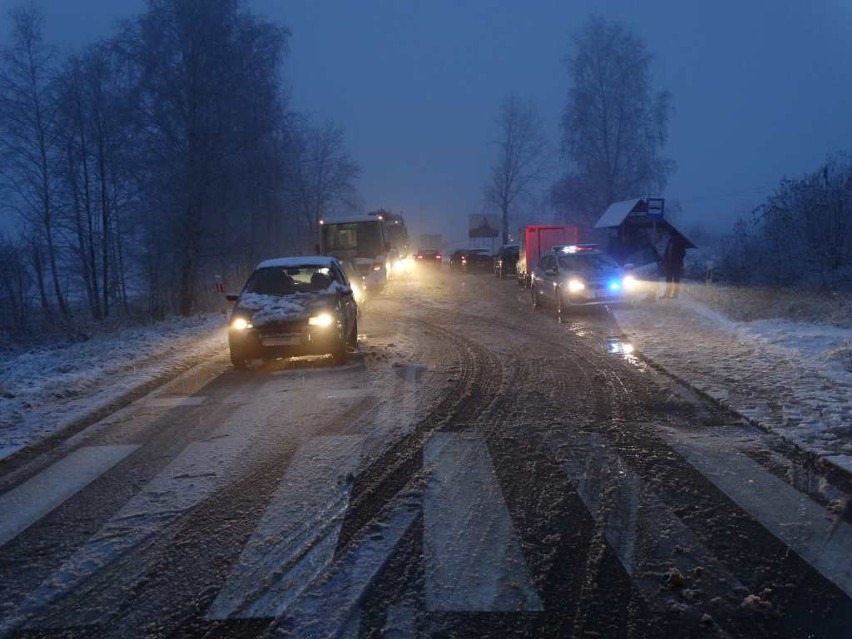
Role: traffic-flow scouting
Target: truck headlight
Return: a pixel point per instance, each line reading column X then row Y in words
column 323, row 320
column 575, row 286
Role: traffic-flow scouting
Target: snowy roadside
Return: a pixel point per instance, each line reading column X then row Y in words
column 47, row 389
column 792, row 378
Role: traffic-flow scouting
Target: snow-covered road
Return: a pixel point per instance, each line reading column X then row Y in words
column 477, row 469
column 792, row 378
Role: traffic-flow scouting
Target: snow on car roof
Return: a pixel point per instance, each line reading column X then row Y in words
column 295, row 262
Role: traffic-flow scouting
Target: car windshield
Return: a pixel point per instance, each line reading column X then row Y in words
column 587, row 262
column 281, row 281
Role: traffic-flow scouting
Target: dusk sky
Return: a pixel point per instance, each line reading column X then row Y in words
column 760, row 90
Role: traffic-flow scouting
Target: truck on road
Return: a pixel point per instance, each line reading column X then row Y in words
column 537, row 239
column 360, row 240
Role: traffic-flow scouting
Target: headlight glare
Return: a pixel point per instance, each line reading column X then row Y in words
column 575, row 286
column 323, row 320
column 240, row 324
column 630, row 283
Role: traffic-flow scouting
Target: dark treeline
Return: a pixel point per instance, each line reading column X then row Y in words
column 801, row 236
column 147, row 164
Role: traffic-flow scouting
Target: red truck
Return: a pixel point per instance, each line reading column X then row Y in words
column 537, row 239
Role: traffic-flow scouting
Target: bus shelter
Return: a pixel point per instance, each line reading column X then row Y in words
column 638, row 230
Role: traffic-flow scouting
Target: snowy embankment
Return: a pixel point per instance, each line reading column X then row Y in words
column 792, row 378
column 45, row 390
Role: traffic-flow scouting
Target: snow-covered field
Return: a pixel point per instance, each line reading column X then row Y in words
column 793, row 378
column 46, row 389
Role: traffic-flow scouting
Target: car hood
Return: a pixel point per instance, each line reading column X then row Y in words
column 269, row 309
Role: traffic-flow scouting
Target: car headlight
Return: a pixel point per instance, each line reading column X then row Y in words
column 575, row 286
column 322, row 320
column 630, row 283
column 240, row 324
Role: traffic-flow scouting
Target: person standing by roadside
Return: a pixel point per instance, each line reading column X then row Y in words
column 673, row 264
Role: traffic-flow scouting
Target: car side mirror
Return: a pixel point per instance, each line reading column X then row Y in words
column 232, row 297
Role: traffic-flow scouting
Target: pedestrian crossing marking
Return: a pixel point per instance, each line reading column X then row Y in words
column 473, row 559
column 297, row 535
column 26, row 504
column 791, row 516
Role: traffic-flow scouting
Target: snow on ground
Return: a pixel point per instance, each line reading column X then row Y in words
column 46, row 389
column 793, row 378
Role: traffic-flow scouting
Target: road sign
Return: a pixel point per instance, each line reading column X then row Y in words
column 656, row 207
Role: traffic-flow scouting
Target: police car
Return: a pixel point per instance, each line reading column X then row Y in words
column 579, row 275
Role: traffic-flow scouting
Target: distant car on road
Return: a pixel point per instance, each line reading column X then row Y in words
column 506, row 260
column 579, row 275
column 429, row 257
column 458, row 260
column 471, row 260
column 293, row 306
column 479, row 260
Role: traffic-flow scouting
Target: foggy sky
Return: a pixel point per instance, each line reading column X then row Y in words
column 761, row 90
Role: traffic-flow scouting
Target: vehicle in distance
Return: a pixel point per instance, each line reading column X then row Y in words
column 360, row 239
column 537, row 240
column 429, row 257
column 506, row 260
column 458, row 259
column 293, row 306
column 479, row 260
column 471, row 260
column 579, row 275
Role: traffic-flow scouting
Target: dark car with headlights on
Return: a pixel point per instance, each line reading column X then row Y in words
column 506, row 260
column 579, row 275
column 293, row 306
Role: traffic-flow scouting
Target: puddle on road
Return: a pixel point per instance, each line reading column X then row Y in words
column 622, row 347
column 618, row 346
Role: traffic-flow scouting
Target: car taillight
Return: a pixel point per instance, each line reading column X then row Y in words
column 439, row 257
column 419, row 257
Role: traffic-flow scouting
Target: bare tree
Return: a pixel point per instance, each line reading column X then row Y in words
column 614, row 126
column 208, row 91
column 14, row 287
column 28, row 137
column 324, row 173
column 522, row 157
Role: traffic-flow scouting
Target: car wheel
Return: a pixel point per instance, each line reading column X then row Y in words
column 239, row 360
column 536, row 303
column 561, row 310
column 352, row 342
column 339, row 354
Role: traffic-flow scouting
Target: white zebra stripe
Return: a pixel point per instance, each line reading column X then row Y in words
column 38, row 496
